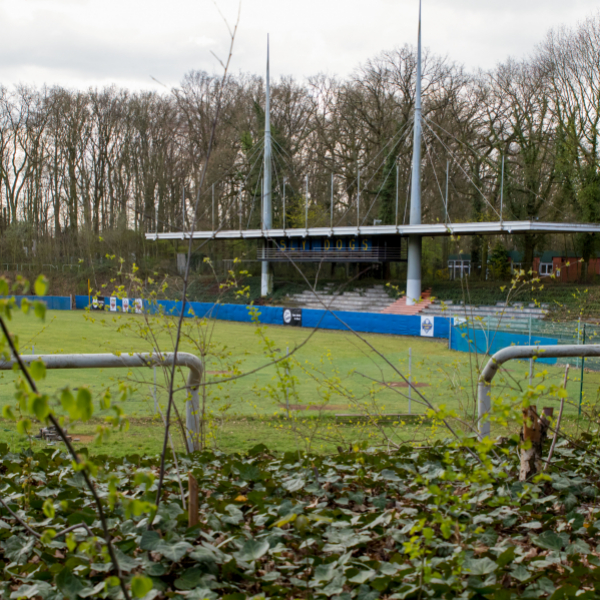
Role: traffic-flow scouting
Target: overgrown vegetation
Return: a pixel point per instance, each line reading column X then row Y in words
column 432, row 522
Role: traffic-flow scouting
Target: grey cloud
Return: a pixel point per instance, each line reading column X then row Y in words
column 56, row 44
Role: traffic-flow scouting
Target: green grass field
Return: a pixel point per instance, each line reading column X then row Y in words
column 334, row 373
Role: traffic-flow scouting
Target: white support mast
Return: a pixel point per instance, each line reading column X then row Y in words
column 266, row 280
column 413, row 277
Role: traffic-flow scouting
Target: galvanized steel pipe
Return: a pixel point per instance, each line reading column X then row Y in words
column 519, row 352
column 123, row 361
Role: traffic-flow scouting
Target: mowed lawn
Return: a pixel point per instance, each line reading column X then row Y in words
column 334, row 373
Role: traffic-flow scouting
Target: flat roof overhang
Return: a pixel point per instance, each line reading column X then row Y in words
column 433, row 229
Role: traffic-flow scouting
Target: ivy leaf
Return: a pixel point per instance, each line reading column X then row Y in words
column 150, row 541
column 506, row 557
column 293, row 485
column 324, row 572
column 482, row 566
column 253, row 550
column 521, row 573
column 68, row 584
column 190, row 579
column 549, row 540
column 17, row 549
column 174, row 551
column 140, row 586
column 39, row 588
column 201, row 593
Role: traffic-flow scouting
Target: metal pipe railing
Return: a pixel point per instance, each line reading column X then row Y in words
column 484, row 399
column 143, row 359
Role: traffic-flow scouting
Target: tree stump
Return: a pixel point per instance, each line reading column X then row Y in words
column 535, row 429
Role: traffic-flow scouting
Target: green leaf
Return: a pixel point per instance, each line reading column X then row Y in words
column 48, row 508
column 25, row 304
column 39, row 309
column 68, row 584
column 17, row 549
column 578, row 547
column 150, row 541
column 253, row 550
column 8, row 413
column 105, row 400
column 506, row 557
column 38, row 589
column 190, row 579
column 140, row 586
column 174, row 551
column 549, row 540
column 144, row 477
column 325, row 572
column 24, row 426
column 38, row 405
column 4, row 289
column 68, row 402
column 482, row 566
column 85, row 407
column 249, row 472
column 41, row 286
column 293, row 485
column 37, row 368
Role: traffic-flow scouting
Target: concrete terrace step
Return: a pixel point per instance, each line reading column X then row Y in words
column 373, row 299
column 490, row 313
column 345, row 307
column 400, row 307
column 468, row 311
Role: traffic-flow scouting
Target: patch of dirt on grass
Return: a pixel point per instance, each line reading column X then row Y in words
column 82, row 438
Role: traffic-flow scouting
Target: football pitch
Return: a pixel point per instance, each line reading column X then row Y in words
column 333, row 378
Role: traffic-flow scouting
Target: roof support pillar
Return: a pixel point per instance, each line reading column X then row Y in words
column 266, row 278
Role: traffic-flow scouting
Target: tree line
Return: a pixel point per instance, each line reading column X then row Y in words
column 519, row 141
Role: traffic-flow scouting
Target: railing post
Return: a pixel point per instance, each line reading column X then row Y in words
column 484, row 406
column 192, row 413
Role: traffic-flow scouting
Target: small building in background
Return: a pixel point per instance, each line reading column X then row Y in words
column 565, row 267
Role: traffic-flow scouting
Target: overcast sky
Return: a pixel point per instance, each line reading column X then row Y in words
column 79, row 43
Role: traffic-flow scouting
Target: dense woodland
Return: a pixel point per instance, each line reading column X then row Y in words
column 76, row 165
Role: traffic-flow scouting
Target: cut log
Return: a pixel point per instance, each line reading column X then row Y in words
column 535, row 429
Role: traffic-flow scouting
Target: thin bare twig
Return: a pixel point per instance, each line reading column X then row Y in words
column 187, row 268
column 17, row 518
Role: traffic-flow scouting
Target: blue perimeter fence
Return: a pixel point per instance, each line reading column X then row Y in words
column 274, row 315
column 463, row 336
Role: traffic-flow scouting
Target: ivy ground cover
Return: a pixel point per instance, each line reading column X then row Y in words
column 437, row 522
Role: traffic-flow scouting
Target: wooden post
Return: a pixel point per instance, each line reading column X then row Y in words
column 534, row 433
column 193, row 508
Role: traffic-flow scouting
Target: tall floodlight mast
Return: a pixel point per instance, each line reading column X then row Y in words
column 413, row 276
column 266, row 280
